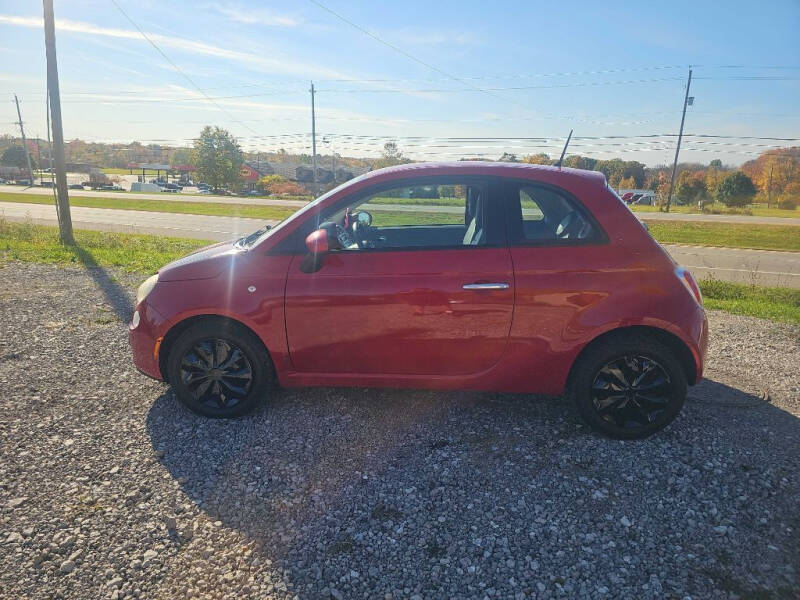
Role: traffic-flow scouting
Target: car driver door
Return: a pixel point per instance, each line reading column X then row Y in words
column 425, row 289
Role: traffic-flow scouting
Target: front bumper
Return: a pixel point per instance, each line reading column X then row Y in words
column 145, row 339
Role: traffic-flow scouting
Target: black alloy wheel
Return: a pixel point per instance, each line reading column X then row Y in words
column 217, row 373
column 219, row 368
column 631, row 392
column 628, row 385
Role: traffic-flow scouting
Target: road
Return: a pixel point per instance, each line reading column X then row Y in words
column 762, row 267
column 647, row 216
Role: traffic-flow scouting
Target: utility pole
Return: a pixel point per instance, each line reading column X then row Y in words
column 64, row 217
column 24, row 141
column 314, row 141
column 686, row 102
column 769, row 186
column 50, row 151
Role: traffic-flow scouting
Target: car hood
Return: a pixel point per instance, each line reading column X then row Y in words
column 205, row 263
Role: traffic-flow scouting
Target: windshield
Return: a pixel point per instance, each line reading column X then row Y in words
column 265, row 232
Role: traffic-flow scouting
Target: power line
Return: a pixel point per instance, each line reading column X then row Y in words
column 178, row 69
column 404, row 53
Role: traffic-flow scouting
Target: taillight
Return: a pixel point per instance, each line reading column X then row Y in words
column 688, row 280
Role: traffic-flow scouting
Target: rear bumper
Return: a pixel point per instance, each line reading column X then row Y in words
column 145, row 338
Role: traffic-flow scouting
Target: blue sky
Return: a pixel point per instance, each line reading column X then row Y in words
column 604, row 69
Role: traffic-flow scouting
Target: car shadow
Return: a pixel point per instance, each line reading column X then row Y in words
column 116, row 294
column 312, row 477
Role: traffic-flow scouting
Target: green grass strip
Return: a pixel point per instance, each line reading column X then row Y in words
column 727, row 235
column 131, row 202
column 773, row 303
column 134, row 253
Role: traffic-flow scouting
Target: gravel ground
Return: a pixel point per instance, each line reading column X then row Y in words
column 110, row 489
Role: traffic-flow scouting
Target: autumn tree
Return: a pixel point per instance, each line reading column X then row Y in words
column 266, row 181
column 14, row 156
column 390, row 156
column 736, row 189
column 790, row 197
column 773, row 171
column 691, row 187
column 217, row 157
column 537, row 159
column 580, row 162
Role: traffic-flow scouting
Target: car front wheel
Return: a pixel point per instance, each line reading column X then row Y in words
column 628, row 386
column 219, row 369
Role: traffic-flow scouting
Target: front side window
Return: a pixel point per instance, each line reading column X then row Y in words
column 451, row 213
column 542, row 214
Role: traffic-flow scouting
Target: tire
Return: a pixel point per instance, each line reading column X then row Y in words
column 227, row 356
column 597, row 386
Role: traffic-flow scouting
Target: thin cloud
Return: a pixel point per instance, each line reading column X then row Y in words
column 423, row 37
column 249, row 16
column 265, row 64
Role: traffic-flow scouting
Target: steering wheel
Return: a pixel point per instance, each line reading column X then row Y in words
column 571, row 226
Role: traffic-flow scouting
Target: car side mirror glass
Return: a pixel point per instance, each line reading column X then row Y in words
column 317, row 242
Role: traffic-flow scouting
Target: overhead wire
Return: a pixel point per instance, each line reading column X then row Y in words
column 178, row 69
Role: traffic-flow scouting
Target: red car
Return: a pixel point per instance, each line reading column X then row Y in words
column 461, row 276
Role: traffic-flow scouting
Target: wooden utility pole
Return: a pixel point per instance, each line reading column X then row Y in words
column 678, row 149
column 769, row 185
column 314, row 141
column 24, row 141
column 64, row 217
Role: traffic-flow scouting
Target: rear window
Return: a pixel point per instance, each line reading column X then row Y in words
column 547, row 214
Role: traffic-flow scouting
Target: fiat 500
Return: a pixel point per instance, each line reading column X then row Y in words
column 467, row 276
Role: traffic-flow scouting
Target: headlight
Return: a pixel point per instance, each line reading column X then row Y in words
column 146, row 287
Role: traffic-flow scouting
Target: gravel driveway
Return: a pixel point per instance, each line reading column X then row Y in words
column 110, row 489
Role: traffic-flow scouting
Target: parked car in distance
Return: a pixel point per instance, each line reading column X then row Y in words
column 75, row 186
column 528, row 279
column 22, row 182
column 46, row 183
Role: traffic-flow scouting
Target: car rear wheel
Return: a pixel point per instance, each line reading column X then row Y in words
column 219, row 369
column 628, row 386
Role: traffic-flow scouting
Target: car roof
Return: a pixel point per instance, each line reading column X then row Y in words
column 547, row 173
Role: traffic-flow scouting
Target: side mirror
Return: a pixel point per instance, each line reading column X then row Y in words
column 317, row 242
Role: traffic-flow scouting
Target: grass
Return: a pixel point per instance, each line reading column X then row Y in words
column 717, row 208
column 773, row 303
column 133, row 203
column 727, row 235
column 130, row 252
column 145, row 254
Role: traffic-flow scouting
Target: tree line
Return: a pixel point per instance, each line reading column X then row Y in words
column 773, row 177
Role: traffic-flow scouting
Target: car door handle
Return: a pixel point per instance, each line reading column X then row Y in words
column 485, row 286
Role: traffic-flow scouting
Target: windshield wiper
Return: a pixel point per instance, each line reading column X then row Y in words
column 249, row 239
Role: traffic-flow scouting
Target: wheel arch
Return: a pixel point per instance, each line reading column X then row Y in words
column 178, row 328
column 679, row 347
